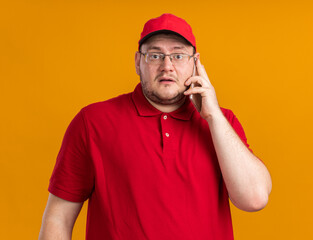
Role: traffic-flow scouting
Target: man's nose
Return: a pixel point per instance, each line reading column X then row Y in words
column 167, row 64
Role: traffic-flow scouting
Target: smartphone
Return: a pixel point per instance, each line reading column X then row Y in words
column 195, row 98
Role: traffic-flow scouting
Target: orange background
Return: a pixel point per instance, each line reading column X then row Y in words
column 58, row 56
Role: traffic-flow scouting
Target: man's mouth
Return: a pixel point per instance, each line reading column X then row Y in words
column 167, row 80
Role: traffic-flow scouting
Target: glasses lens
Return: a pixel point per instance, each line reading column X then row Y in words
column 154, row 58
column 179, row 58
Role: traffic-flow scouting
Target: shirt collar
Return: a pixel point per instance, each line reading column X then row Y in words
column 144, row 108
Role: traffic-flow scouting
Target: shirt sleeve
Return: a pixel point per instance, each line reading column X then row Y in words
column 234, row 122
column 73, row 176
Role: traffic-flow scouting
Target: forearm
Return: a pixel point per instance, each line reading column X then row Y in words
column 247, row 179
column 52, row 229
column 58, row 219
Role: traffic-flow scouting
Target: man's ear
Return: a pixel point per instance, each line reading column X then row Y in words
column 137, row 62
column 197, row 55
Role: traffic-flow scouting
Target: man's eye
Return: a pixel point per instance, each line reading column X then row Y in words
column 178, row 56
column 154, row 56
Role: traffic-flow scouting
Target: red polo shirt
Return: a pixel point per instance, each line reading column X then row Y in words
column 147, row 174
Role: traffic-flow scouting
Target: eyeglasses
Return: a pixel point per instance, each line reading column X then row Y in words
column 158, row 58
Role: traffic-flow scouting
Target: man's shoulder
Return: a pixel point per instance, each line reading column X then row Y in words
column 229, row 115
column 117, row 104
column 227, row 112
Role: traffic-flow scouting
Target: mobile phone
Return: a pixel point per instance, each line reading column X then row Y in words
column 195, row 98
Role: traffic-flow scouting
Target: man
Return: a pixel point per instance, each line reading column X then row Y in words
column 150, row 164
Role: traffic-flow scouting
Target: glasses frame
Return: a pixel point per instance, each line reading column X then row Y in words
column 163, row 55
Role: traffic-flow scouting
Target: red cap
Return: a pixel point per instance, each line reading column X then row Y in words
column 167, row 23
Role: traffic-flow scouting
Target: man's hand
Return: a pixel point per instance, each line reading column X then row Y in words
column 203, row 86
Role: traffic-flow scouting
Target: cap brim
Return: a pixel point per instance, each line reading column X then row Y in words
column 160, row 32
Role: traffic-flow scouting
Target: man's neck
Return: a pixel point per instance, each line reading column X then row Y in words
column 166, row 108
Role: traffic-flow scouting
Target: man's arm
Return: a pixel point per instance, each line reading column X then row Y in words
column 59, row 218
column 247, row 179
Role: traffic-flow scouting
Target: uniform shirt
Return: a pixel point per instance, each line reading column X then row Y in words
column 146, row 174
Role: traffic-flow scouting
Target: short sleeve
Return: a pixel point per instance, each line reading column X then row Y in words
column 73, row 176
column 234, row 122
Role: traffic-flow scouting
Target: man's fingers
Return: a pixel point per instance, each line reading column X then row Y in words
column 198, row 80
column 195, row 90
column 201, row 71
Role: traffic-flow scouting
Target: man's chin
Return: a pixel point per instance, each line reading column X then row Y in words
column 168, row 99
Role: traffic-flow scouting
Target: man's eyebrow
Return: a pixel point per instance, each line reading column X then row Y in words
column 153, row 48
column 180, row 47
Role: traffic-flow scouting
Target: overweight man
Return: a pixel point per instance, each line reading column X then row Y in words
column 161, row 162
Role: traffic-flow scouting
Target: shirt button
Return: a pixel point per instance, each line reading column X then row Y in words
column 165, row 117
column 166, row 134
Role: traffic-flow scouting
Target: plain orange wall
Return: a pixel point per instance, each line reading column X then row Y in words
column 58, row 56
